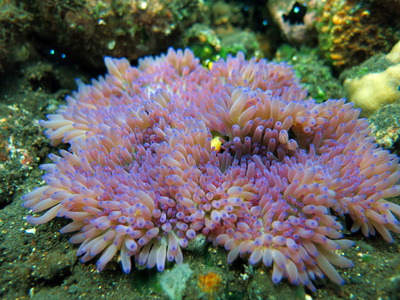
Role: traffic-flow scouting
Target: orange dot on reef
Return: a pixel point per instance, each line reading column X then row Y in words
column 209, row 282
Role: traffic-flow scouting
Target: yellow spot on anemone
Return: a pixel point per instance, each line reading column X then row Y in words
column 216, row 143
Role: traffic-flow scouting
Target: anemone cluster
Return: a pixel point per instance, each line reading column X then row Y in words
column 169, row 150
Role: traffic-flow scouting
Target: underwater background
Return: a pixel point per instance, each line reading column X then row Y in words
column 338, row 49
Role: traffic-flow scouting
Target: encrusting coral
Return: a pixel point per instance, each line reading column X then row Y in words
column 349, row 32
column 143, row 175
column 376, row 89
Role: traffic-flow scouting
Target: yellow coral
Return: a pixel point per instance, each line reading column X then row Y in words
column 375, row 90
column 210, row 283
column 394, row 54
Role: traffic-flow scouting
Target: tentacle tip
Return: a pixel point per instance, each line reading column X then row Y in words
column 100, row 268
column 276, row 279
column 32, row 220
column 389, row 240
column 252, row 262
column 312, row 289
column 160, row 268
column 295, row 282
column 141, row 263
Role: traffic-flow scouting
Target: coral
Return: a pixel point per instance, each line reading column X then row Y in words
column 295, row 34
column 240, row 40
column 350, row 33
column 226, row 15
column 394, row 55
column 372, row 87
column 144, row 174
column 385, row 126
column 210, row 283
column 203, row 41
column 91, row 29
column 224, row 31
column 314, row 75
column 173, row 281
column 207, row 46
column 374, row 90
column 15, row 25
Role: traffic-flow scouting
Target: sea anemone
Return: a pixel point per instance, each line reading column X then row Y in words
column 169, row 150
